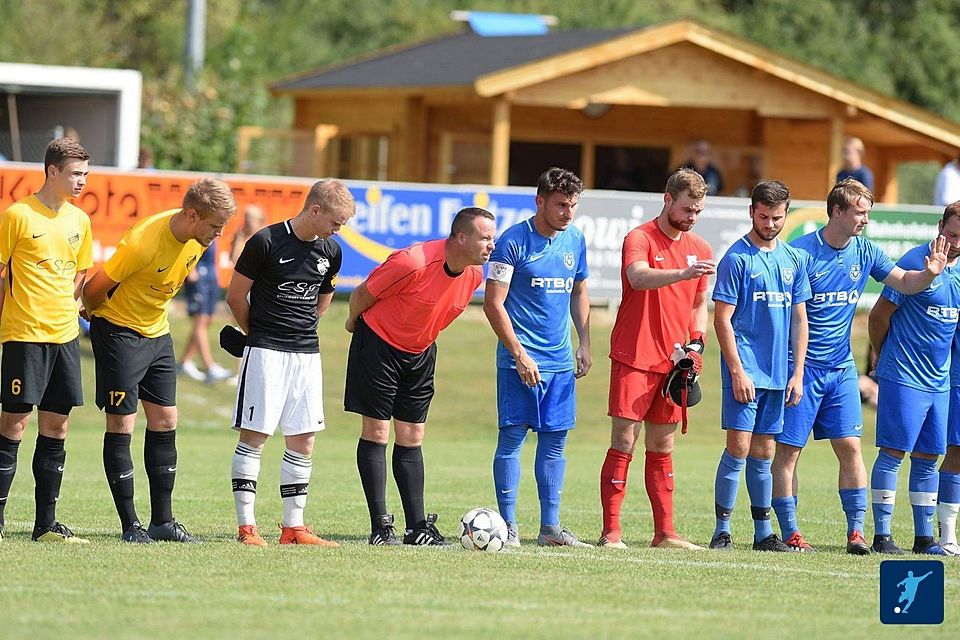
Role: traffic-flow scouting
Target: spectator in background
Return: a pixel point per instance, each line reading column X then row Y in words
column 253, row 221
column 202, row 291
column 853, row 167
column 145, row 158
column 947, row 188
column 701, row 161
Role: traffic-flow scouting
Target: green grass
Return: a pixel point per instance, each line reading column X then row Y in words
column 223, row 590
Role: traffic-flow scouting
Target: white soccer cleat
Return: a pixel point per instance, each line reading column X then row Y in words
column 951, row 548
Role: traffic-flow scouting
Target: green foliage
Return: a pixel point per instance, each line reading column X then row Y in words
column 907, row 48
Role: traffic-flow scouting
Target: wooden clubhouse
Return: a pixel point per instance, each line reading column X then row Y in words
column 619, row 107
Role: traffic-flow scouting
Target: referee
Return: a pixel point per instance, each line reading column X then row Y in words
column 127, row 300
column 395, row 316
column 282, row 283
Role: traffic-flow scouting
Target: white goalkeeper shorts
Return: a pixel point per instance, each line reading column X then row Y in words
column 278, row 388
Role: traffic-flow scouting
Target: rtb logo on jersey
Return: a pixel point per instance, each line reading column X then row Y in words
column 774, row 299
column 553, row 285
column 911, row 592
column 943, row 314
column 836, row 298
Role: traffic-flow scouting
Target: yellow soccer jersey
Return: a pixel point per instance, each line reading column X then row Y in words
column 150, row 265
column 43, row 249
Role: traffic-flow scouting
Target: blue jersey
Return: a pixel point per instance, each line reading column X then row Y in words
column 955, row 360
column 763, row 286
column 916, row 351
column 541, row 272
column 837, row 279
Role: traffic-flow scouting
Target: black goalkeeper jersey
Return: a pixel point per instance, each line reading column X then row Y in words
column 288, row 274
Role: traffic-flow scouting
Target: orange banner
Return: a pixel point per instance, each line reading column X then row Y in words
column 116, row 200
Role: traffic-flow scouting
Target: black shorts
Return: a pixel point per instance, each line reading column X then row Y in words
column 384, row 382
column 42, row 374
column 132, row 367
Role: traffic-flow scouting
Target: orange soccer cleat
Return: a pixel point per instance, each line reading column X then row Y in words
column 303, row 535
column 248, row 534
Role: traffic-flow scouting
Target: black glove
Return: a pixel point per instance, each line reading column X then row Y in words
column 233, row 341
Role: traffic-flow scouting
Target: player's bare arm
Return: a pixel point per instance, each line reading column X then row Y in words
column 95, row 290
column 493, row 298
column 360, row 300
column 580, row 314
column 743, row 389
column 641, row 276
column 799, row 337
column 323, row 303
column 911, row 282
column 700, row 314
column 878, row 323
column 237, row 300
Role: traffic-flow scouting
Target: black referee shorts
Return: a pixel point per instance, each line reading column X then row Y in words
column 132, row 367
column 384, row 382
column 42, row 374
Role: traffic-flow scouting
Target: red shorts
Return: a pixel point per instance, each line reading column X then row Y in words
column 635, row 395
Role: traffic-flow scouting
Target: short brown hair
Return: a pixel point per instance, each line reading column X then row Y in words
column 950, row 211
column 557, row 180
column 686, row 181
column 465, row 217
column 209, row 196
column 61, row 151
column 771, row 193
column 845, row 193
column 332, row 196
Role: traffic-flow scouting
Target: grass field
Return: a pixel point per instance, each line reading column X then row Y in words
column 223, row 590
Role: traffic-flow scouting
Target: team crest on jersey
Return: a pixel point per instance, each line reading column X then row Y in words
column 855, row 272
column 74, row 239
column 323, row 265
column 191, row 262
column 691, row 260
column 568, row 261
column 787, row 274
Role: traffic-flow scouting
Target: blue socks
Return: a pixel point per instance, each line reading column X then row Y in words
column 725, row 489
column 883, row 485
column 549, row 468
column 506, row 470
column 923, row 495
column 786, row 510
column 760, row 488
column 854, row 504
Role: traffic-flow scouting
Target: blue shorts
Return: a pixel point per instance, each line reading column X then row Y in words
column 762, row 416
column 912, row 420
column 830, row 407
column 202, row 295
column 549, row 406
column 953, row 421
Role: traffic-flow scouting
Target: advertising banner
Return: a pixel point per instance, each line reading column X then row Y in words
column 391, row 216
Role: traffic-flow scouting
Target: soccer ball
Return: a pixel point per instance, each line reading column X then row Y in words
column 483, row 529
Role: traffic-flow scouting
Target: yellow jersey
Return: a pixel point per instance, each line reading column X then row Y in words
column 42, row 249
column 150, row 266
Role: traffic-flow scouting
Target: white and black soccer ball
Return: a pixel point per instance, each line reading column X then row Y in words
column 483, row 529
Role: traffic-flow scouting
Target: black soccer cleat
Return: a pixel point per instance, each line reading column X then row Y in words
column 425, row 535
column 926, row 545
column 771, row 543
column 885, row 544
column 722, row 542
column 385, row 535
column 171, row 531
column 856, row 545
column 136, row 534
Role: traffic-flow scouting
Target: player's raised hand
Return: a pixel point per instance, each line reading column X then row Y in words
column 937, row 260
column 583, row 362
column 794, row 391
column 698, row 269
